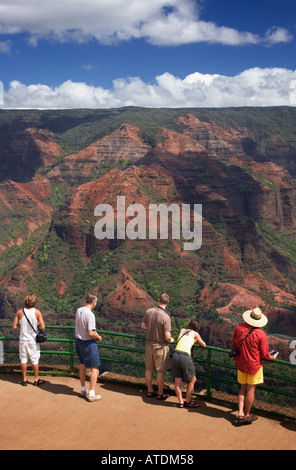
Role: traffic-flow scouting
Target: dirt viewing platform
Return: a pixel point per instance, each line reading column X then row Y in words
column 54, row 416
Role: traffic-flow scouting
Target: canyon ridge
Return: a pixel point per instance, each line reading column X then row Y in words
column 239, row 163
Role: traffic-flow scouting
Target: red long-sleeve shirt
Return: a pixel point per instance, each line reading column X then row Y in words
column 253, row 349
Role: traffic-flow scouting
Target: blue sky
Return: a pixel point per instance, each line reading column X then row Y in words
column 172, row 53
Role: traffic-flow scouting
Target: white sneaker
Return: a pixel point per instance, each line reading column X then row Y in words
column 95, row 398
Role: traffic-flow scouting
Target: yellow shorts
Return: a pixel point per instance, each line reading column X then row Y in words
column 255, row 379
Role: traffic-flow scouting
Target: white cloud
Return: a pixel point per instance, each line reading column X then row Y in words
column 67, row 95
column 160, row 22
column 252, row 87
column 275, row 35
column 5, row 47
column 89, row 67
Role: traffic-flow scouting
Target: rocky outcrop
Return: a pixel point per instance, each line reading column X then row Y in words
column 221, row 140
column 234, row 200
column 75, row 220
column 24, row 150
column 176, row 143
column 22, row 211
column 120, row 148
column 127, row 299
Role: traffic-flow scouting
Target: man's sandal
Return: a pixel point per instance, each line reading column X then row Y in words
column 162, row 396
column 39, row 382
column 251, row 418
column 191, row 404
column 241, row 421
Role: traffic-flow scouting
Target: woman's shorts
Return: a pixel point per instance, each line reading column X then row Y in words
column 182, row 366
column 88, row 353
column 29, row 350
column 255, row 379
column 157, row 357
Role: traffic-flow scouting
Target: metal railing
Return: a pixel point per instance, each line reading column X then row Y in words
column 122, row 354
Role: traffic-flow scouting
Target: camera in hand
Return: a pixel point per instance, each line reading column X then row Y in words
column 272, row 352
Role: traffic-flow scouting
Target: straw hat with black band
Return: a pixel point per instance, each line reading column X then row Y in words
column 255, row 317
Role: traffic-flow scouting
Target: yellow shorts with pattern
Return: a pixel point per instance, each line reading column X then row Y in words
column 255, row 379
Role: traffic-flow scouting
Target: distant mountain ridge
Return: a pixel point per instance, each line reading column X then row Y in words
column 239, row 163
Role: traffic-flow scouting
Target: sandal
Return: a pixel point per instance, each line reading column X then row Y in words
column 251, row 418
column 241, row 420
column 39, row 382
column 191, row 404
column 163, row 396
column 24, row 383
column 181, row 405
column 151, row 394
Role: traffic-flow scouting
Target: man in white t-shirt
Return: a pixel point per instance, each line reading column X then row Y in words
column 86, row 346
column 28, row 348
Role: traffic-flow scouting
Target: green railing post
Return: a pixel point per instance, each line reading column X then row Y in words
column 209, row 382
column 71, row 347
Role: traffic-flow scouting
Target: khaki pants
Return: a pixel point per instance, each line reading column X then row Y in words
column 157, row 357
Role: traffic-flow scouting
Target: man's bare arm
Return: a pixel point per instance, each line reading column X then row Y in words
column 168, row 337
column 95, row 335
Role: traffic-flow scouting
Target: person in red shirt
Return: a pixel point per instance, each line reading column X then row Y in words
column 252, row 349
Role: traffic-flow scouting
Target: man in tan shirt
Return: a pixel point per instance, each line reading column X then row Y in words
column 157, row 323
